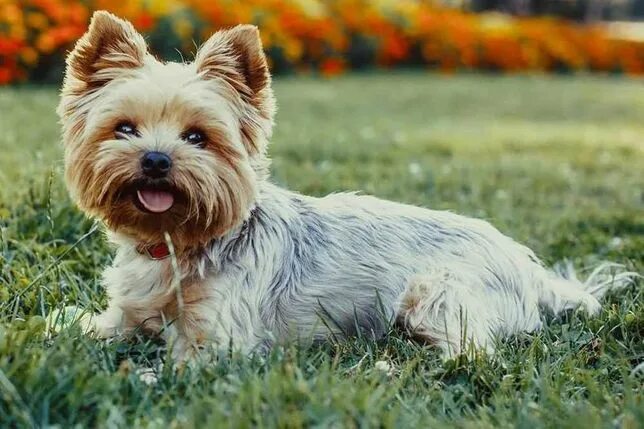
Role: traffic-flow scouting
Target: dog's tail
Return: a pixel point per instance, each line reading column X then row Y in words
column 562, row 289
column 605, row 277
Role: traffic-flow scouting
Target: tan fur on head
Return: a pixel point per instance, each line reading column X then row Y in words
column 225, row 94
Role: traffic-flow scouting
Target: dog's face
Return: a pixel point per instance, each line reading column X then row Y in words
column 154, row 147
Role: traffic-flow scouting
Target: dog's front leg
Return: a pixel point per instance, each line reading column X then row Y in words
column 182, row 348
column 185, row 349
column 216, row 327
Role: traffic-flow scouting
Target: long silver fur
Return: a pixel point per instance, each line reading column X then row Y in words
column 310, row 268
column 298, row 266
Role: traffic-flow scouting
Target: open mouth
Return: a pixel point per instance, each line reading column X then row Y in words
column 154, row 200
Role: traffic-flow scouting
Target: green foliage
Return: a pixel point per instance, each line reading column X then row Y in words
column 553, row 162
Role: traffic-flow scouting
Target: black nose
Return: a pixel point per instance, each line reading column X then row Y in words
column 156, row 164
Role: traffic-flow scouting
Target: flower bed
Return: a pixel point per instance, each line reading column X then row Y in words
column 326, row 36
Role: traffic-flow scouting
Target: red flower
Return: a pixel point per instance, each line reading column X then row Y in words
column 144, row 22
column 5, row 75
column 332, row 67
column 9, row 46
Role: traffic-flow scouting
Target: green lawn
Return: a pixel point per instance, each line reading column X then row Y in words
column 556, row 162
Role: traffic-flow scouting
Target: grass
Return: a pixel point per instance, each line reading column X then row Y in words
column 555, row 162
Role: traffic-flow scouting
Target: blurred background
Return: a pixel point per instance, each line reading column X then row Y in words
column 330, row 37
column 526, row 113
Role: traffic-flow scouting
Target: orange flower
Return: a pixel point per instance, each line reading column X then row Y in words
column 11, row 13
column 331, row 34
column 45, row 43
column 29, row 56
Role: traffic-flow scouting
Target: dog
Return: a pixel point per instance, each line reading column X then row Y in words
column 172, row 158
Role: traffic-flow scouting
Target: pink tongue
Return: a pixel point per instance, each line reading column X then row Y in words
column 155, row 201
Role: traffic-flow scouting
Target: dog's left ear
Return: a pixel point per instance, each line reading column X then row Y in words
column 109, row 44
column 236, row 56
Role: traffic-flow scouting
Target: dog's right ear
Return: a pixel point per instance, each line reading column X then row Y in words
column 109, row 45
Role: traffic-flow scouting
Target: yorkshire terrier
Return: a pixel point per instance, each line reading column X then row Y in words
column 172, row 158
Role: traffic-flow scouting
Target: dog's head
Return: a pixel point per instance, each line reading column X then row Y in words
column 153, row 147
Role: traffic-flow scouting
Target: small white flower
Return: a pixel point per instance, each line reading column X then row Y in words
column 325, row 165
column 615, row 243
column 382, row 366
column 148, row 376
column 415, row 169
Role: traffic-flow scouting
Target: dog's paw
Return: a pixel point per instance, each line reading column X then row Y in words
column 104, row 325
column 590, row 305
column 184, row 351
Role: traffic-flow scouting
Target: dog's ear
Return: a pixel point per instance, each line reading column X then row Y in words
column 236, row 55
column 110, row 44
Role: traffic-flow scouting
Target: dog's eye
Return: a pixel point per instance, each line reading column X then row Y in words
column 195, row 137
column 124, row 130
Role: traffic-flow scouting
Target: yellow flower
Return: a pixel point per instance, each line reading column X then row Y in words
column 29, row 56
column 18, row 32
column 312, row 8
column 36, row 20
column 183, row 28
column 292, row 49
column 163, row 7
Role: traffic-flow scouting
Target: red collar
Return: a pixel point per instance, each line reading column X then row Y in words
column 156, row 251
